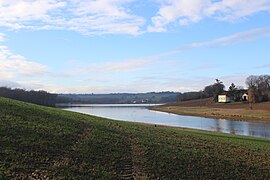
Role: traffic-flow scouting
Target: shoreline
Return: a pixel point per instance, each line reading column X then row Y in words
column 217, row 113
column 200, row 131
column 174, row 127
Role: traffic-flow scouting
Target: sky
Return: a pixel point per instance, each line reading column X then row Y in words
column 114, row 46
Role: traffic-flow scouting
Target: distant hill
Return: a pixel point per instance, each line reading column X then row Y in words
column 36, row 97
column 119, row 98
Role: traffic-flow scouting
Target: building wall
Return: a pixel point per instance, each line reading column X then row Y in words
column 245, row 97
column 223, row 99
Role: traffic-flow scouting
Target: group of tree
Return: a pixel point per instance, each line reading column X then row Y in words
column 35, row 97
column 258, row 88
column 212, row 90
column 118, row 98
column 48, row 99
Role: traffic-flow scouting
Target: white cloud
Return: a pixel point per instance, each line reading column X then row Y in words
column 109, row 67
column 2, row 37
column 237, row 38
column 154, row 61
column 234, row 9
column 102, row 7
column 16, row 14
column 16, row 10
column 10, row 84
column 185, row 12
column 12, row 65
column 178, row 10
column 124, row 66
column 56, row 88
column 84, row 16
column 263, row 66
column 97, row 17
column 103, row 17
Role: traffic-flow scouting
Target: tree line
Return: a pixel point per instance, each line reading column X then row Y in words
column 49, row 99
column 258, row 90
column 212, row 90
column 118, row 98
column 36, row 97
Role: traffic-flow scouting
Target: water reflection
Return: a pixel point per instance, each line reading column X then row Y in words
column 141, row 113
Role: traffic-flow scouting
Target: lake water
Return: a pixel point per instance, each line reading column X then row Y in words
column 141, row 113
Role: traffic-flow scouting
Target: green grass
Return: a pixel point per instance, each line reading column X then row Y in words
column 40, row 142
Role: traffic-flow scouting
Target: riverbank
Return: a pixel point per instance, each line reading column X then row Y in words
column 231, row 111
column 40, row 142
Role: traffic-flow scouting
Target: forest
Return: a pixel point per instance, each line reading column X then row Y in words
column 49, row 99
column 119, row 98
column 36, row 97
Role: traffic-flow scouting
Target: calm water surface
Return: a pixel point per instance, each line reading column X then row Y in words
column 141, row 113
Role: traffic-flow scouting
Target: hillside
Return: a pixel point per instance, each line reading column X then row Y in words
column 119, row 98
column 40, row 142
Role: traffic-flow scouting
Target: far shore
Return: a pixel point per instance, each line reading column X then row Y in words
column 231, row 111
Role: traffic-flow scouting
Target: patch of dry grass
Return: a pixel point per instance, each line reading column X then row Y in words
column 234, row 114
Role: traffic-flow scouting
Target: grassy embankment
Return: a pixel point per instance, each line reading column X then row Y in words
column 206, row 108
column 41, row 142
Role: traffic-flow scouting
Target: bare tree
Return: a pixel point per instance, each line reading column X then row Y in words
column 261, row 86
column 251, row 97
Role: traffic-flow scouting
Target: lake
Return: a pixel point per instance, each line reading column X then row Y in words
column 141, row 113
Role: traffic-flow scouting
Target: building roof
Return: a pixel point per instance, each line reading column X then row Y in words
column 224, row 93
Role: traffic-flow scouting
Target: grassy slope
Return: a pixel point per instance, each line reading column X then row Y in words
column 40, row 142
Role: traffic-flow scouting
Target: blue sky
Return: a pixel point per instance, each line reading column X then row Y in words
column 108, row 46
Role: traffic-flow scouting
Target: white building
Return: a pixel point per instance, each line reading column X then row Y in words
column 245, row 97
column 223, row 98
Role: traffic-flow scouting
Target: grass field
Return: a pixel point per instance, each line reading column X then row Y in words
column 42, row 142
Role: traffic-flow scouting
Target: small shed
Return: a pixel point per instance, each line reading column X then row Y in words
column 245, row 97
column 223, row 98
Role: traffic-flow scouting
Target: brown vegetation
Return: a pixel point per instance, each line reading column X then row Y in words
column 208, row 102
column 207, row 108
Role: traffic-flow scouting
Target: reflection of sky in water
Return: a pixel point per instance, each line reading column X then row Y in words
column 140, row 113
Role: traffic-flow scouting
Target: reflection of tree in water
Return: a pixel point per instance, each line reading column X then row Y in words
column 264, row 131
column 218, row 126
column 232, row 127
column 241, row 128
